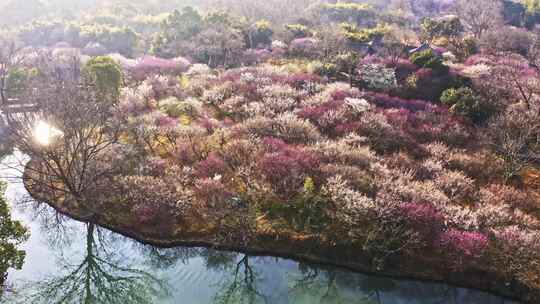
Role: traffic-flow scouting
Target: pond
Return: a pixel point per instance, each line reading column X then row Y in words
column 73, row 262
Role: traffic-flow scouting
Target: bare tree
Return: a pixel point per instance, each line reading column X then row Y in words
column 331, row 41
column 479, row 16
column 68, row 136
column 515, row 137
column 395, row 43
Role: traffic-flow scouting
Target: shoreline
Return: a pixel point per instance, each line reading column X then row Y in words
column 417, row 268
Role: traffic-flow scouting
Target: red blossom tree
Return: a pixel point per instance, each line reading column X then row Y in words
column 286, row 167
column 462, row 247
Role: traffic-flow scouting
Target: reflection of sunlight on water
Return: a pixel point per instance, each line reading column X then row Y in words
column 44, row 133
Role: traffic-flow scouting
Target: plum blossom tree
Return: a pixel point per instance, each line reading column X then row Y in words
column 463, row 246
column 286, row 167
column 150, row 65
column 378, row 77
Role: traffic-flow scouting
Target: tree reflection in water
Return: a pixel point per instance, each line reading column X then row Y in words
column 239, row 286
column 248, row 281
column 327, row 286
column 310, row 284
column 166, row 258
column 101, row 277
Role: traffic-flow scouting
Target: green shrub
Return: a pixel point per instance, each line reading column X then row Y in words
column 465, row 102
column 426, row 84
column 325, row 69
column 105, row 74
column 430, row 60
column 12, row 235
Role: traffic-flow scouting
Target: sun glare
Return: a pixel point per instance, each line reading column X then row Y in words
column 44, row 133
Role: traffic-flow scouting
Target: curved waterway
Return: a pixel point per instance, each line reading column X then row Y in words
column 73, row 262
